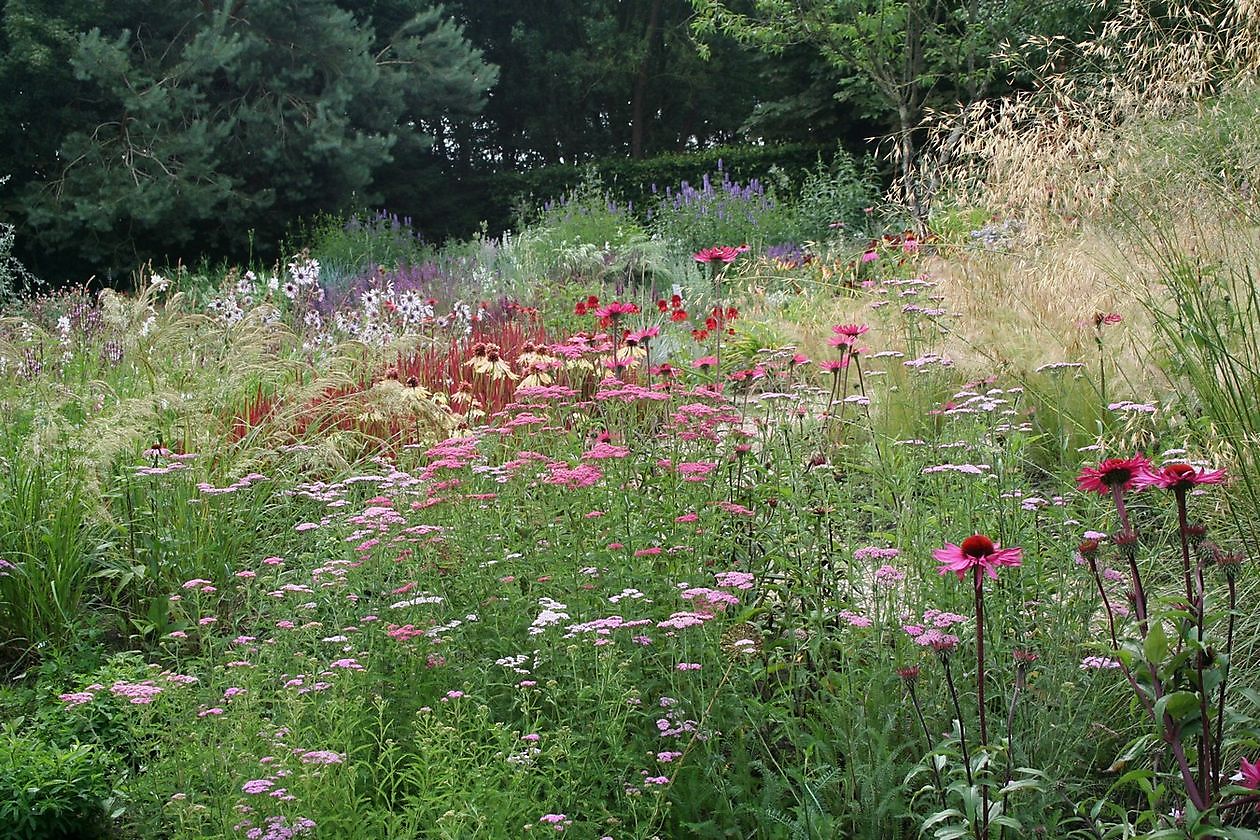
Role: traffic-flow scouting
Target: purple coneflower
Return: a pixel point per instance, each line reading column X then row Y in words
column 977, row 551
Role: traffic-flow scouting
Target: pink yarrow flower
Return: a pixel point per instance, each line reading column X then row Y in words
column 976, row 552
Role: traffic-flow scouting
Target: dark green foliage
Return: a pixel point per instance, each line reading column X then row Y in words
column 49, row 792
column 898, row 60
column 175, row 135
column 585, row 79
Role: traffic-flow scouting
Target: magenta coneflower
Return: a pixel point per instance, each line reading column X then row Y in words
column 849, row 331
column 613, row 311
column 719, row 253
column 705, row 362
column 1249, row 774
column 976, row 552
column 1179, row 477
column 642, row 336
column 1125, row 473
column 835, row 365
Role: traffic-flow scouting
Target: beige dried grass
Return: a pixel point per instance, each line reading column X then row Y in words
column 1066, row 149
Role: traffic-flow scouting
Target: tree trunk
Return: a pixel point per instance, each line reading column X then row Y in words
column 638, row 102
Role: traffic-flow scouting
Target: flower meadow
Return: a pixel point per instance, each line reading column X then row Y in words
column 618, row 539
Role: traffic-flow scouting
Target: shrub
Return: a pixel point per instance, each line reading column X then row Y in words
column 833, row 193
column 12, row 272
column 49, row 792
column 722, row 211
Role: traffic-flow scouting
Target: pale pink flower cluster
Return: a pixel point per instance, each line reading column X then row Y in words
column 140, row 693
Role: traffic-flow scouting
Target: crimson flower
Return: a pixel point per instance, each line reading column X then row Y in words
column 1125, row 473
column 976, row 552
column 1179, row 477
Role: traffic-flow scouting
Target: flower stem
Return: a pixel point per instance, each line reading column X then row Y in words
column 977, row 827
column 1220, row 700
column 1102, row 590
column 918, row 710
column 1010, row 737
column 984, row 726
column 979, row 585
column 1196, row 604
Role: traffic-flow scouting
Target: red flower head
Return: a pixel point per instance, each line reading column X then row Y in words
column 976, row 552
column 1179, row 477
column 678, row 316
column 1125, row 473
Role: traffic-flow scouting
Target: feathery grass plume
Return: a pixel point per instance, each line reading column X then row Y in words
column 1065, row 149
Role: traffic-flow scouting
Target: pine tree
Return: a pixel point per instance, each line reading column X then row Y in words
column 191, row 125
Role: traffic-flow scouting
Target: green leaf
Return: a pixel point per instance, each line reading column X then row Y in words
column 1156, row 645
column 1178, row 705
